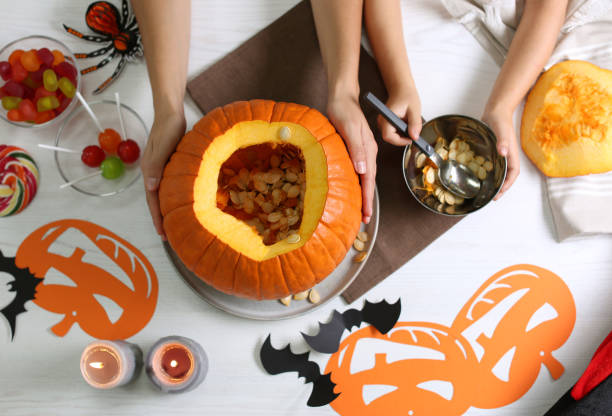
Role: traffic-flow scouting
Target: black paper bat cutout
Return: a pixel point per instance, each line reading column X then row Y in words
column 382, row 316
column 24, row 284
column 284, row 361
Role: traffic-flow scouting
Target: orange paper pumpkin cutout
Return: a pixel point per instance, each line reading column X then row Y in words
column 490, row 356
column 77, row 302
column 421, row 369
column 513, row 323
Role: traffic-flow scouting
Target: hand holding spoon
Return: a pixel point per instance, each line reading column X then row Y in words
column 454, row 176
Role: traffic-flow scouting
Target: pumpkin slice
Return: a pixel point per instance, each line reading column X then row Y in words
column 566, row 129
column 271, row 194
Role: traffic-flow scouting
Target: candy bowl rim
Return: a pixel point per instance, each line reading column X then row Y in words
column 68, row 119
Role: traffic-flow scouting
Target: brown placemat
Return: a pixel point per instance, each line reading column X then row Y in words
column 283, row 63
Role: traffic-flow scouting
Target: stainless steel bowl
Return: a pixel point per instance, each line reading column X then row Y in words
column 481, row 140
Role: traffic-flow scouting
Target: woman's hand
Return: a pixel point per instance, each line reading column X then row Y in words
column 346, row 115
column 407, row 106
column 507, row 145
column 167, row 130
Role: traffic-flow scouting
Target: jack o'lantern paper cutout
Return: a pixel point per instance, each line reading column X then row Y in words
column 417, row 368
column 489, row 357
column 513, row 323
column 129, row 283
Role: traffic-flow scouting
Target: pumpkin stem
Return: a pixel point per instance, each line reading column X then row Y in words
column 60, row 329
column 554, row 366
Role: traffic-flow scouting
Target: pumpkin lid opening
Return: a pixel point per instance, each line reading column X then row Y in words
column 264, row 186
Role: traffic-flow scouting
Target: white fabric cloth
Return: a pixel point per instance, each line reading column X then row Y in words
column 581, row 205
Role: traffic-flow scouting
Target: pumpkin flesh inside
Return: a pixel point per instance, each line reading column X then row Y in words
column 258, row 137
column 264, row 186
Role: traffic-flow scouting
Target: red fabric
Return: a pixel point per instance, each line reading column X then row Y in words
column 598, row 370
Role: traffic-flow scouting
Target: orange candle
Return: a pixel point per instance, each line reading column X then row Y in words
column 176, row 364
column 108, row 364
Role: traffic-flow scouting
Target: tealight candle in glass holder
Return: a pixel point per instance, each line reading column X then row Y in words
column 108, row 364
column 176, row 364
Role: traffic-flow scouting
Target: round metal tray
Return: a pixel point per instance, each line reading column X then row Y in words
column 333, row 285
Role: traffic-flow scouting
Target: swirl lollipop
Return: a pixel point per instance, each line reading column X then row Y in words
column 18, row 180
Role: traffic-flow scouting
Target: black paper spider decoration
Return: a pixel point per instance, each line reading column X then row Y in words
column 119, row 32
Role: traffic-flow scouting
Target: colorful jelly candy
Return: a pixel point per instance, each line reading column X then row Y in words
column 15, row 56
column 50, row 80
column 112, row 167
column 5, row 70
column 58, row 57
column 109, row 140
column 14, row 115
column 14, row 89
column 45, row 56
column 10, row 103
column 93, row 156
column 47, row 103
column 18, row 72
column 29, row 60
column 64, row 102
column 43, row 117
column 128, row 151
column 27, row 110
column 67, row 87
column 64, row 69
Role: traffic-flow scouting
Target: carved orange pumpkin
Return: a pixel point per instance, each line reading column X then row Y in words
column 225, row 237
column 78, row 302
column 513, row 322
column 565, row 129
column 418, row 369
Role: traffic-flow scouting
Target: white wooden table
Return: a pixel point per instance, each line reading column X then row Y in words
column 39, row 372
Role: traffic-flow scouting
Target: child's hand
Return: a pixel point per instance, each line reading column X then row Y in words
column 346, row 115
column 165, row 134
column 502, row 125
column 408, row 107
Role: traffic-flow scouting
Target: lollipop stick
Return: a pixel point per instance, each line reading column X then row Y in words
column 82, row 178
column 120, row 117
column 59, row 149
column 89, row 110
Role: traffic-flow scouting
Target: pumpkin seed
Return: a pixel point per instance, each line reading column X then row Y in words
column 314, row 296
column 293, row 192
column 443, row 153
column 274, row 216
column 286, row 300
column 301, row 295
column 473, row 166
column 234, row 197
column 479, row 159
column 452, row 155
column 284, row 133
column 267, row 207
column 260, row 186
column 430, row 176
column 359, row 257
column 482, row 173
column 291, row 176
column 488, row 165
column 293, row 238
column 292, row 220
column 420, row 160
column 449, row 198
column 363, row 236
column 249, row 206
column 359, row 245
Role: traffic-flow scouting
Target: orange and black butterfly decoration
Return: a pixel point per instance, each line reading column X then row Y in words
column 118, row 31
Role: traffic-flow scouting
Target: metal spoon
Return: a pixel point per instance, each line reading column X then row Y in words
column 454, row 176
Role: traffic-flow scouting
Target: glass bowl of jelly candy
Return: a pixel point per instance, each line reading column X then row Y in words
column 79, row 131
column 38, row 80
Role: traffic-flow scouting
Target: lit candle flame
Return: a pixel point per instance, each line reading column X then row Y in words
column 173, row 363
column 97, row 364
